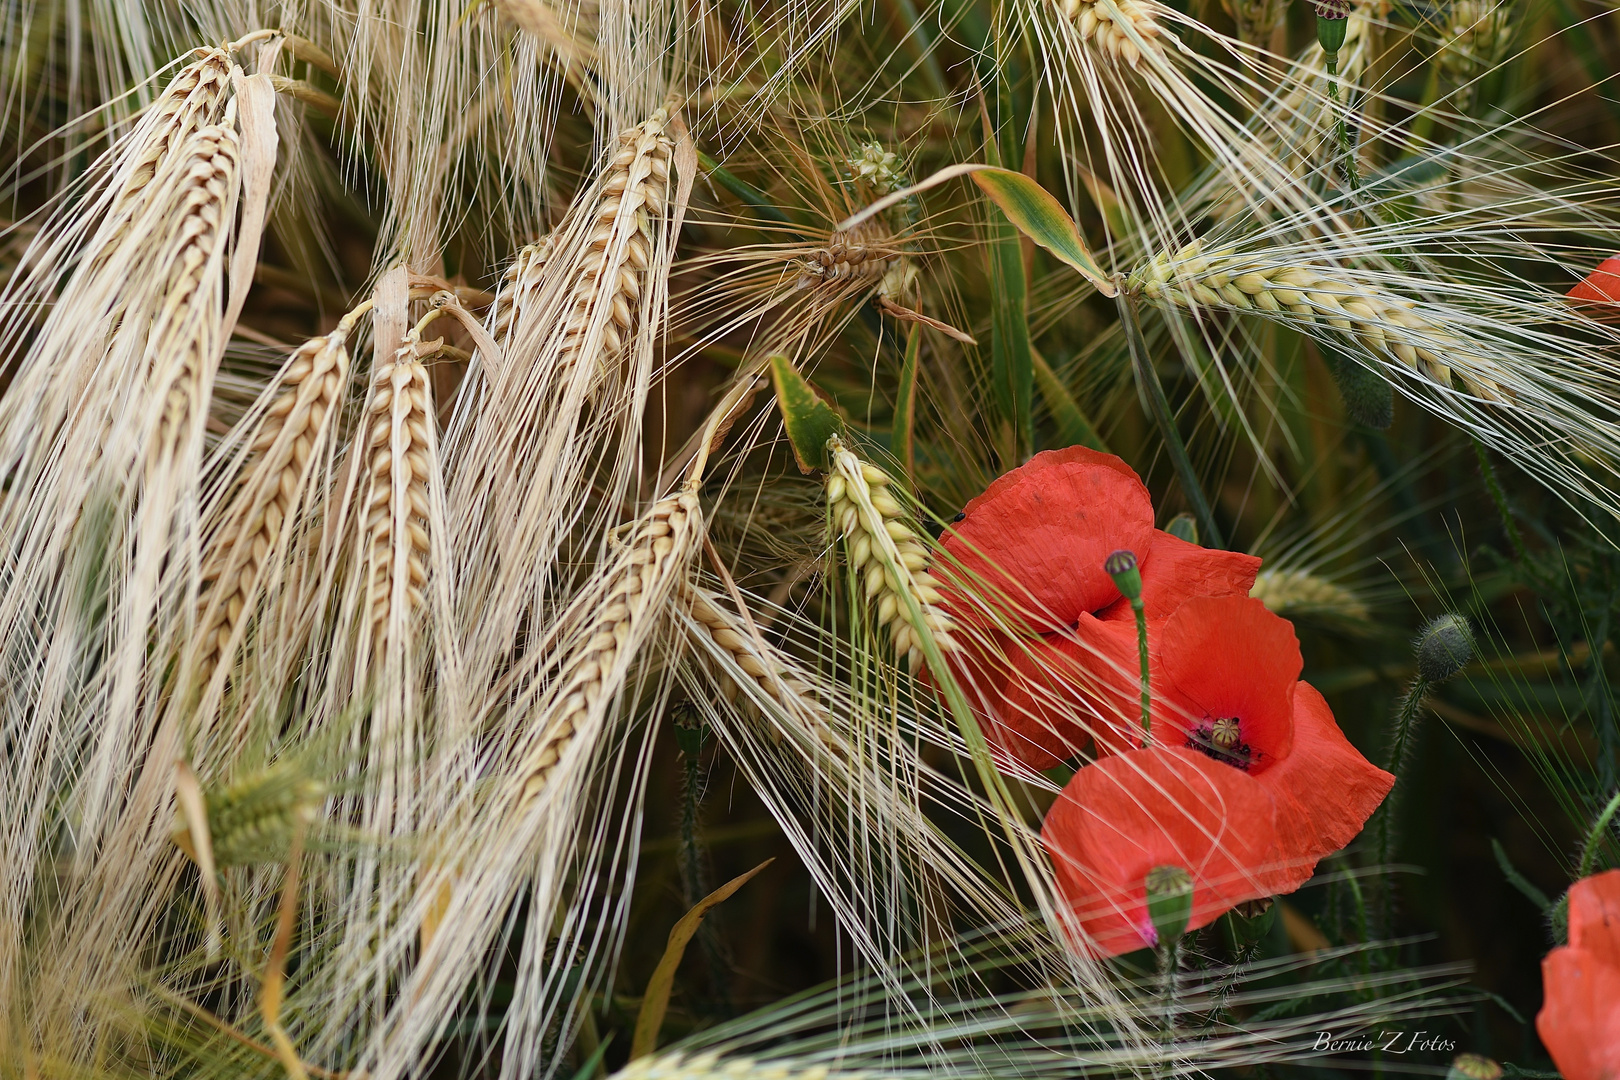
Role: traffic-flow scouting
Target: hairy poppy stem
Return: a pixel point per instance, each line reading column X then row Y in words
column 1594, row 839
column 1488, row 472
column 1400, row 752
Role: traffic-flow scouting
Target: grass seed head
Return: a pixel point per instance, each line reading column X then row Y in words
column 1105, row 22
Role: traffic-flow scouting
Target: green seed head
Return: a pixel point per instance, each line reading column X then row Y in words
column 1169, row 901
column 1121, row 566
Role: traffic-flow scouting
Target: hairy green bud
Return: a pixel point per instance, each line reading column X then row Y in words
column 1444, row 648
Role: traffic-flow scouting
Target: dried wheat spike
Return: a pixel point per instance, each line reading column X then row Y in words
column 658, row 545
column 399, row 441
column 1293, row 592
column 887, row 551
column 1382, row 324
column 677, row 1065
column 635, row 191
column 1105, row 23
column 296, row 424
column 772, row 672
column 191, row 100
column 519, row 283
column 196, row 218
column 863, row 253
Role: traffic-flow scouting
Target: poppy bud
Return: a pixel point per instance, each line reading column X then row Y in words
column 1121, row 566
column 1169, row 901
column 1444, row 648
column 1332, row 19
column 1183, row 527
column 1473, row 1067
column 690, row 730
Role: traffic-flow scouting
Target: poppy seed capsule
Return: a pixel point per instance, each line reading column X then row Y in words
column 1121, row 566
column 1473, row 1067
column 1169, row 901
column 1226, row 733
column 1444, row 648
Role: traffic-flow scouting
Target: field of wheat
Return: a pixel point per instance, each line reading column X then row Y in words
column 813, row 539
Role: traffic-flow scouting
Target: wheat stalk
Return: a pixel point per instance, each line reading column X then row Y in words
column 639, row 579
column 1384, row 325
column 887, row 551
column 287, row 445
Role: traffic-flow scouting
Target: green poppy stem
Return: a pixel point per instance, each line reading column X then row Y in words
column 1594, row 839
column 1121, row 566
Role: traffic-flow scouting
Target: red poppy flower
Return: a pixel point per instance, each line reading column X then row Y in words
column 1125, row 815
column 1028, row 556
column 1226, row 685
column 1579, row 1022
column 1601, row 286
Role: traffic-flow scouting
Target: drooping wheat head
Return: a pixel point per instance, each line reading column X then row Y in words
column 1388, row 327
column 290, row 438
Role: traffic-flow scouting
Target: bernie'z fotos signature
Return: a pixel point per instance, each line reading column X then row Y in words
column 1389, row 1042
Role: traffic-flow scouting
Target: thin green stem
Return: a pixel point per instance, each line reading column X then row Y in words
column 1159, row 405
column 1400, row 753
column 1594, row 839
column 1499, row 497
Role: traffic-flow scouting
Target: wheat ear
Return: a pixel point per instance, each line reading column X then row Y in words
column 887, row 551
column 710, row 1066
column 635, row 190
column 861, row 253
column 1291, row 592
column 398, row 429
column 1105, row 22
column 640, row 578
column 286, row 447
column 1382, row 324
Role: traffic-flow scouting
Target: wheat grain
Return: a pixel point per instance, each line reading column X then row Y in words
column 191, row 100
column 1384, row 325
column 886, row 551
column 1293, row 592
column 709, row 1066
column 1106, row 22
column 520, row 282
column 180, row 347
column 287, row 443
column 773, row 673
column 658, row 546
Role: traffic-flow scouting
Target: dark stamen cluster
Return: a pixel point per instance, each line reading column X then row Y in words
column 1221, row 739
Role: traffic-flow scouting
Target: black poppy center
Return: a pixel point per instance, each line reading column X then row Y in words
column 1221, row 737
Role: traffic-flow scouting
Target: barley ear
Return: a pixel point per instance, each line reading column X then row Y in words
column 886, row 552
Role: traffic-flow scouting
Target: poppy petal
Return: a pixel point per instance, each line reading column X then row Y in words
column 1579, row 1022
column 1124, row 815
column 1039, row 535
column 1229, row 656
column 1594, row 916
column 1324, row 788
column 1601, row 286
column 1176, row 571
column 1021, row 693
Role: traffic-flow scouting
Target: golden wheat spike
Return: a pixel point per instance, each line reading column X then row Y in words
column 640, row 577
column 1104, row 22
column 286, row 448
column 400, row 451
